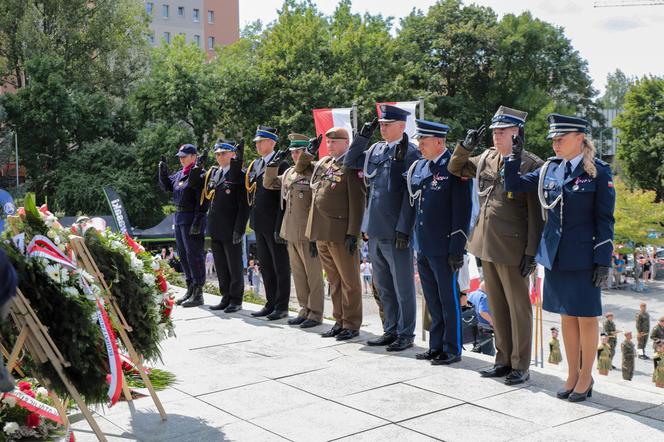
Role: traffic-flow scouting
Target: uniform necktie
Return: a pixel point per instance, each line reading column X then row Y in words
column 568, row 169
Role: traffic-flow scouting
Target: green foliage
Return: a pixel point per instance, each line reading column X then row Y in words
column 617, row 85
column 636, row 215
column 641, row 126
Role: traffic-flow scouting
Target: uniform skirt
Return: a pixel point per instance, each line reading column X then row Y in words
column 571, row 292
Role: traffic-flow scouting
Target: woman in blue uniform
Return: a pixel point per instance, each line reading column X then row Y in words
column 577, row 196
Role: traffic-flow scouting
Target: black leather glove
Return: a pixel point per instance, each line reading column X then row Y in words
column 517, row 146
column 278, row 158
column 600, row 275
column 527, row 265
column 313, row 250
column 402, row 148
column 237, row 237
column 163, row 167
column 314, row 145
column 368, row 129
column 202, row 159
column 196, row 226
column 455, row 262
column 236, row 163
column 473, row 138
column 351, row 244
column 278, row 239
column 401, row 241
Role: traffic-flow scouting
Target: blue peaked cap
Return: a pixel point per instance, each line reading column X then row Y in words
column 430, row 129
column 560, row 125
column 389, row 113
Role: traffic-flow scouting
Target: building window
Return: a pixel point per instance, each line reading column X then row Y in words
column 180, row 11
column 197, row 15
column 164, row 8
column 210, row 16
column 148, row 7
column 197, row 40
column 210, row 43
column 167, row 37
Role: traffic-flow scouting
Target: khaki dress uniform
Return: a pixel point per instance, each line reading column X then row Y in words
column 508, row 227
column 339, row 198
column 306, row 270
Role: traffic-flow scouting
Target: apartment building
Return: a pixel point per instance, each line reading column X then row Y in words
column 208, row 23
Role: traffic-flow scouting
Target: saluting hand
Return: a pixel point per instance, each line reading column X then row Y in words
column 517, row 146
column 163, row 167
column 402, row 148
column 351, row 244
column 600, row 275
column 473, row 138
column 368, row 128
column 278, row 157
column 314, row 145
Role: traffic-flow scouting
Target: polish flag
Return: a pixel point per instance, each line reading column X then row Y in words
column 537, row 284
column 325, row 119
column 410, row 106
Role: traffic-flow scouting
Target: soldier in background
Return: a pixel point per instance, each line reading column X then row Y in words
column 628, row 353
column 642, row 330
column 505, row 238
column 657, row 333
column 335, row 219
column 555, row 356
column 610, row 329
column 303, row 254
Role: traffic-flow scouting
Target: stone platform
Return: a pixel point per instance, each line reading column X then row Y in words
column 247, row 379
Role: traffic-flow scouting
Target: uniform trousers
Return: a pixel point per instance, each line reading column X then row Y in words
column 393, row 272
column 509, row 302
column 230, row 271
column 192, row 253
column 275, row 270
column 308, row 278
column 442, row 299
column 343, row 274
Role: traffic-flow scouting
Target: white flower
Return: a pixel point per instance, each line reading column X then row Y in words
column 51, row 234
column 148, row 279
column 53, row 272
column 9, row 401
column 155, row 265
column 41, row 391
column 10, row 427
column 116, row 245
column 57, row 240
column 88, row 277
column 64, row 275
column 62, row 247
column 136, row 263
column 71, row 291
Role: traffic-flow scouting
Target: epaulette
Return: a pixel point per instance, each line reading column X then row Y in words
column 601, row 162
column 555, row 159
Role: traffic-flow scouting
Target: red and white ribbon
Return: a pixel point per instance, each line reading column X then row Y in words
column 32, row 404
column 115, row 384
column 42, row 247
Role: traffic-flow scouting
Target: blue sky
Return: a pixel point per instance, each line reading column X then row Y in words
column 629, row 38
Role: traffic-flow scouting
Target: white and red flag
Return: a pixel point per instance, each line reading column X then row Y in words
column 326, row 119
column 537, row 284
column 410, row 106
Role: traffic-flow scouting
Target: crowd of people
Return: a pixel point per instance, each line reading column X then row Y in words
column 410, row 203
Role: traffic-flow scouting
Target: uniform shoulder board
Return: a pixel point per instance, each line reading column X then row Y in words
column 531, row 156
column 555, row 159
column 601, row 162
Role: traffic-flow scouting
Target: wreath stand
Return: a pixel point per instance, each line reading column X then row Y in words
column 87, row 262
column 33, row 335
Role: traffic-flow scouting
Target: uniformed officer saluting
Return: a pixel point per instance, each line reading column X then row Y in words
column 303, row 254
column 187, row 186
column 334, row 223
column 266, row 217
column 442, row 204
column 388, row 223
column 576, row 189
column 227, row 221
column 505, row 238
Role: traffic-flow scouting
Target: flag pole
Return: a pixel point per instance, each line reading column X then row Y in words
column 354, row 118
column 421, row 107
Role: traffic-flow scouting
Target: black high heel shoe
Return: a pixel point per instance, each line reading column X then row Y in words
column 564, row 394
column 580, row 397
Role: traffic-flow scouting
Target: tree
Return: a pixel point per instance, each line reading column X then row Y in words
column 637, row 215
column 641, row 144
column 617, row 85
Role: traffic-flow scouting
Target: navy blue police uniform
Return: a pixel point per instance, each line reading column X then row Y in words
column 226, row 224
column 387, row 216
column 187, row 186
column 578, row 234
column 265, row 219
column 442, row 204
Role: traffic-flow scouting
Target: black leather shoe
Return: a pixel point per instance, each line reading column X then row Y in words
column 580, row 397
column 400, row 344
column 262, row 312
column 308, row 323
column 497, row 371
column 331, row 333
column 221, row 306
column 347, row 334
column 196, row 298
column 386, row 339
column 277, row 314
column 563, row 394
column 445, row 359
column 428, row 355
column 296, row 320
column 232, row 308
column 517, row 377
column 187, row 295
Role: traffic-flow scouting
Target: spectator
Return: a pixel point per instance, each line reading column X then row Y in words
column 250, row 272
column 620, row 261
column 366, row 272
column 209, row 263
column 478, row 301
column 164, row 254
